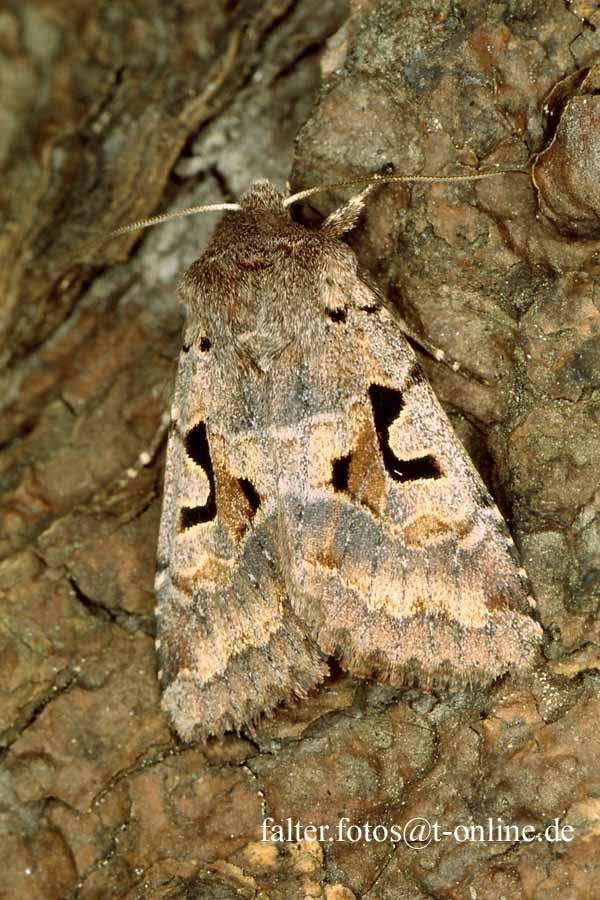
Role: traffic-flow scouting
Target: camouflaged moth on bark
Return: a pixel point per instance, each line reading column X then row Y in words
column 317, row 502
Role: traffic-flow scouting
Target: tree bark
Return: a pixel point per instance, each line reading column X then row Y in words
column 112, row 112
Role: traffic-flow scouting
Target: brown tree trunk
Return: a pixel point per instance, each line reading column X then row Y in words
column 115, row 111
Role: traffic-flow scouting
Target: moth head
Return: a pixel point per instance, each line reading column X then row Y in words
column 262, row 195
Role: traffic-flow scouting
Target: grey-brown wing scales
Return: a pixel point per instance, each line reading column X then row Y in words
column 229, row 645
column 398, row 559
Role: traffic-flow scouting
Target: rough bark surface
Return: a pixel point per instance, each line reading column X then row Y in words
column 112, row 111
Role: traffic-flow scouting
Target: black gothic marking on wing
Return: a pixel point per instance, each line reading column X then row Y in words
column 205, row 344
column 251, row 495
column 387, row 404
column 198, row 450
column 340, row 472
column 337, row 315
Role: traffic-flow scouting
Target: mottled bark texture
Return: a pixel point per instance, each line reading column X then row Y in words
column 111, row 111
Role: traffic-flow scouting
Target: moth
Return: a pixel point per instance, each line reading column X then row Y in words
column 317, row 502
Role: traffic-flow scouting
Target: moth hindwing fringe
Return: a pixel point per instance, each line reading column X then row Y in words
column 317, row 502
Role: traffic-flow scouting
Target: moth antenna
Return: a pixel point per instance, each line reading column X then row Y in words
column 405, row 179
column 178, row 214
